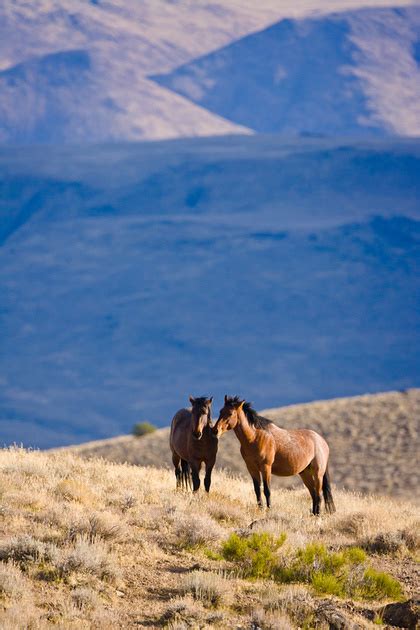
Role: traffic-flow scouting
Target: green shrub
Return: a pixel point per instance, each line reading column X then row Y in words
column 143, row 428
column 378, row 585
column 256, row 554
column 343, row 573
column 327, row 583
column 355, row 555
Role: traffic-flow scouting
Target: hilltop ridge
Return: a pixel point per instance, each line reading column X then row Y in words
column 374, row 441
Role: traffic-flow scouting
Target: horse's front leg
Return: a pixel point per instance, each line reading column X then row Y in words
column 266, row 476
column 207, row 478
column 195, row 473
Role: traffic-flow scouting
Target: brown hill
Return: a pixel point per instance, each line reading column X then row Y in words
column 374, row 442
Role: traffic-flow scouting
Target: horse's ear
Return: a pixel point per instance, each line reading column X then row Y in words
column 210, row 400
column 226, row 398
column 192, row 400
column 240, row 406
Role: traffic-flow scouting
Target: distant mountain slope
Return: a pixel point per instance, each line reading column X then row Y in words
column 341, row 74
column 134, row 275
column 77, row 72
column 374, row 442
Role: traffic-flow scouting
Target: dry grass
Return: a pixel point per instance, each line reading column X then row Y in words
column 90, row 544
column 374, row 442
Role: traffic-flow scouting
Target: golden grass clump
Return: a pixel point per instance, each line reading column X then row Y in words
column 93, row 544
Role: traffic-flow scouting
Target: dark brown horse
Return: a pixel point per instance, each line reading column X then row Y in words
column 266, row 449
column 193, row 442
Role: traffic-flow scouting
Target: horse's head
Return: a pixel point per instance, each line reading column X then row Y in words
column 201, row 415
column 229, row 415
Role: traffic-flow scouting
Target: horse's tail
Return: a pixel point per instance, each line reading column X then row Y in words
column 326, row 491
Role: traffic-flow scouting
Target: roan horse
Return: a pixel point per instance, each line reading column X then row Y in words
column 266, row 449
column 192, row 442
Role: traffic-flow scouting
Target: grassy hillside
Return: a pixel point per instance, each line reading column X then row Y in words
column 374, row 442
column 101, row 545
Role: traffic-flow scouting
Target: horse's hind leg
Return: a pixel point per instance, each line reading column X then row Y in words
column 266, row 477
column 309, row 479
column 185, row 476
column 176, row 461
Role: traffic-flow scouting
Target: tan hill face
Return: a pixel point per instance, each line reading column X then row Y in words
column 90, row 544
column 373, row 439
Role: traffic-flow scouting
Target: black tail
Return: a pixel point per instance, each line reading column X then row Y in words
column 326, row 491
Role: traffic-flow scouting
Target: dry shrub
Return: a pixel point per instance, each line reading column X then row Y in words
column 104, row 618
column 400, row 541
column 294, row 600
column 29, row 466
column 12, row 582
column 411, row 536
column 98, row 525
column 25, row 549
column 87, row 556
column 127, row 502
column 184, row 609
column 208, row 587
column 85, row 598
column 22, row 614
column 75, row 490
column 270, row 620
column 355, row 524
column 385, row 542
column 193, row 530
column 226, row 512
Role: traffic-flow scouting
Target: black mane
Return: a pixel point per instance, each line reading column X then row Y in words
column 257, row 421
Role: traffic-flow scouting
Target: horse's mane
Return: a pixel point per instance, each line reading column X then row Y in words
column 257, row 421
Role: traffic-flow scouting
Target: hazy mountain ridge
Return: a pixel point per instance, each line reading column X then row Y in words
column 341, row 74
column 304, row 254
column 78, row 72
